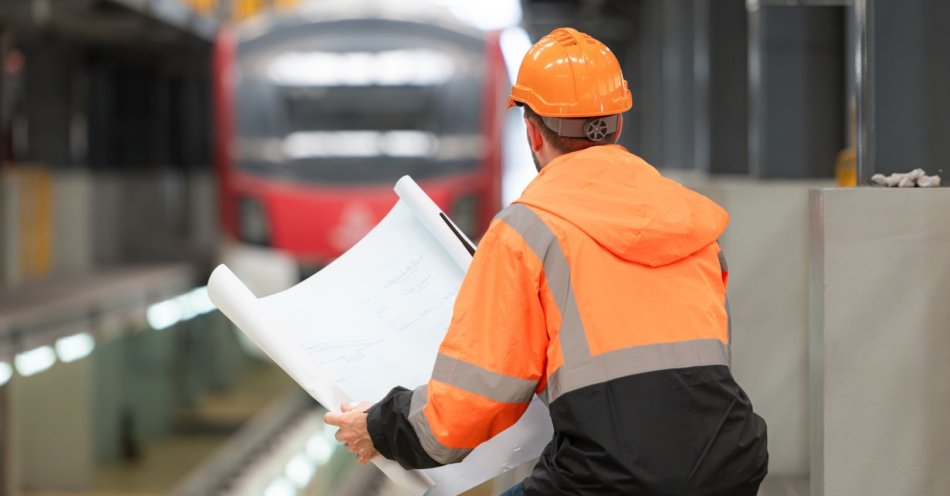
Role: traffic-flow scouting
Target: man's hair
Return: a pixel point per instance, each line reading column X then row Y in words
column 561, row 143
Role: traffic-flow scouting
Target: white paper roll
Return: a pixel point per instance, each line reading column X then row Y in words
column 430, row 215
column 237, row 302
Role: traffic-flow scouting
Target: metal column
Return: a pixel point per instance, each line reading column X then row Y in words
column 4, row 36
column 7, row 477
column 755, row 118
column 4, row 45
column 702, row 150
column 864, row 90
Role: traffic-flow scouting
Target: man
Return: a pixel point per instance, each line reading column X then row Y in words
column 601, row 289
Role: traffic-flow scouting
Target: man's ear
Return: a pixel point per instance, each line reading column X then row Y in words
column 535, row 138
column 619, row 128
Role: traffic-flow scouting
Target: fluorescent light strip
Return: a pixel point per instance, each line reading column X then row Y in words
column 6, row 372
column 35, row 361
column 300, row 470
column 75, row 347
column 402, row 143
column 280, row 487
column 183, row 307
column 319, row 449
column 78, row 346
column 418, row 67
column 163, row 315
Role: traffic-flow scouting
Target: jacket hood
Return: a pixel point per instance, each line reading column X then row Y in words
column 626, row 206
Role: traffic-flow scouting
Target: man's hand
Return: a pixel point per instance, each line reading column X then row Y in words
column 353, row 433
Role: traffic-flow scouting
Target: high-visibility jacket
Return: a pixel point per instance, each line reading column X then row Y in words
column 602, row 290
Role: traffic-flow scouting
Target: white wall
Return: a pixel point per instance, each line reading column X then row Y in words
column 881, row 342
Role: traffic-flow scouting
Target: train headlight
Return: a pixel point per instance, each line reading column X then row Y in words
column 464, row 212
column 253, row 221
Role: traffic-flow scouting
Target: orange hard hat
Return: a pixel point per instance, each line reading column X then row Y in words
column 570, row 74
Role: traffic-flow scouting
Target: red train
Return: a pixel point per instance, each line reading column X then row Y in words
column 319, row 112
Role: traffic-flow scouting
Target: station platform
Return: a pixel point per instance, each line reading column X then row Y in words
column 104, row 302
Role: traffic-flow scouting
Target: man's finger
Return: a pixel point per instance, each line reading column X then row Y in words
column 333, row 418
column 367, row 455
column 363, row 445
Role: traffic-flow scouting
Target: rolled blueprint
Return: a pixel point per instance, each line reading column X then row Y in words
column 431, row 216
column 237, row 302
column 230, row 295
column 373, row 319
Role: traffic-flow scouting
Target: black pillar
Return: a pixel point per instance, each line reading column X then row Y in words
column 912, row 86
column 797, row 72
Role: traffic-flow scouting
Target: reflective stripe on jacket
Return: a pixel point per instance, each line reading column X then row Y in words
column 602, row 289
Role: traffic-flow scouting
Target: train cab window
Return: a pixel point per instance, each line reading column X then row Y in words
column 360, row 102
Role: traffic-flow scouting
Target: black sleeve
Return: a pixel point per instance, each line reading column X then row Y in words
column 393, row 435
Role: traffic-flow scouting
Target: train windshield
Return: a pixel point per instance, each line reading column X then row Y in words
column 359, row 102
